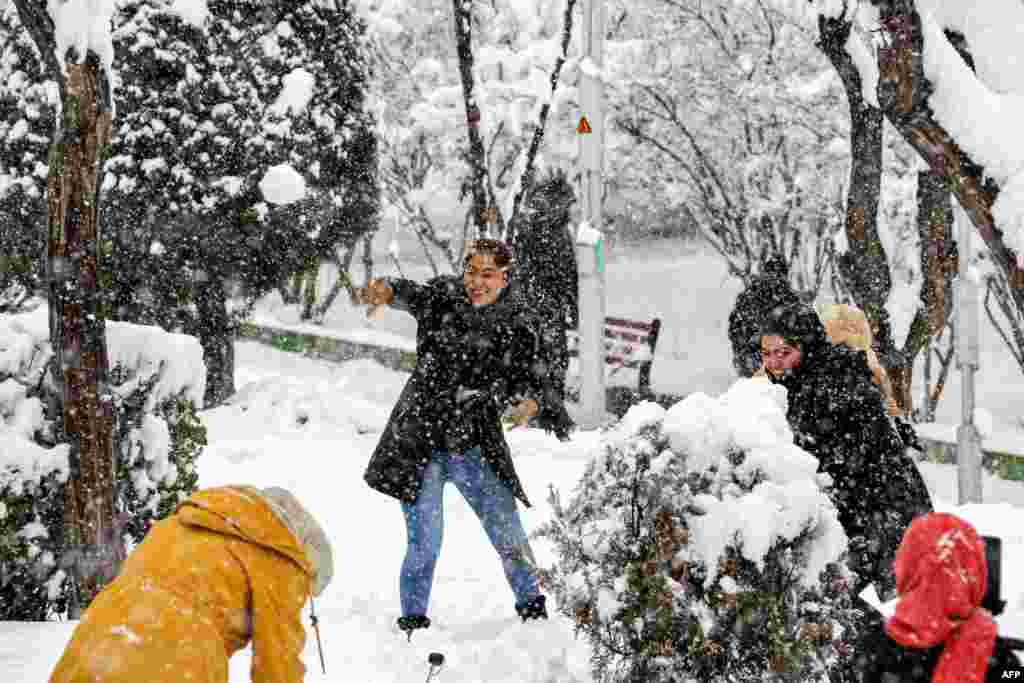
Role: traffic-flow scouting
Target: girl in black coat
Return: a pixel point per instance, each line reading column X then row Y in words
column 477, row 355
column 838, row 415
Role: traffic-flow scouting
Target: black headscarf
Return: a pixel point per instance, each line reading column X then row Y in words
column 765, row 292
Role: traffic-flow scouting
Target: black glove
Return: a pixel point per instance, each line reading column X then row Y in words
column 906, row 432
column 554, row 418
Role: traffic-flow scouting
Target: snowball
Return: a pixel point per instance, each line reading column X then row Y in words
column 282, row 184
column 296, row 93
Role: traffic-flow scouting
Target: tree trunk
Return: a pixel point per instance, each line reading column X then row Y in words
column 311, row 279
column 217, row 337
column 475, row 155
column 938, row 267
column 94, row 548
column 367, row 257
column 903, row 92
column 344, row 281
column 939, row 261
column 93, row 545
column 864, row 267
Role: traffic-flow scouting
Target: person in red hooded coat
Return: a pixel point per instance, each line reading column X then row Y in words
column 940, row 633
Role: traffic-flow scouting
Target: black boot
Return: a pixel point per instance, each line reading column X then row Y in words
column 413, row 622
column 533, row 609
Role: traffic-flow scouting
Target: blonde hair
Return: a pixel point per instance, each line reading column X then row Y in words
column 847, row 325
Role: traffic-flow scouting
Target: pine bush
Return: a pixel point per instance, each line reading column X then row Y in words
column 699, row 546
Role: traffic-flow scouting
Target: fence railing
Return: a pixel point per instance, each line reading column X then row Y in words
column 1001, row 457
column 334, row 348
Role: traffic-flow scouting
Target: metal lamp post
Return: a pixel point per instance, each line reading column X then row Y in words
column 590, row 245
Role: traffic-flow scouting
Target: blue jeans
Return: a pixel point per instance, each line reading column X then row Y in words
column 495, row 506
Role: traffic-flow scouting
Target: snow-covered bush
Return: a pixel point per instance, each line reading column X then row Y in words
column 157, row 381
column 700, row 546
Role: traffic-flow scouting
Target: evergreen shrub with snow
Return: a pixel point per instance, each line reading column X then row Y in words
column 157, row 380
column 700, row 546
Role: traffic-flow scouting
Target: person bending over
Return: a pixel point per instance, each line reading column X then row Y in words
column 232, row 565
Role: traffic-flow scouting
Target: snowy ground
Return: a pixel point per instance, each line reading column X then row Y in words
column 311, row 426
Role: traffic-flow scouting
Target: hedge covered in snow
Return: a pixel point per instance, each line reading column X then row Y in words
column 158, row 380
column 701, row 546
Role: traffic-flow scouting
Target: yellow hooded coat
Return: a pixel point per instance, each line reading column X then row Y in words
column 222, row 570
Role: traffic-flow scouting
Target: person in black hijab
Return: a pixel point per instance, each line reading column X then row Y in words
column 765, row 292
column 838, row 415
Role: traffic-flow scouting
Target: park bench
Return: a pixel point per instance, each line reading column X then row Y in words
column 628, row 344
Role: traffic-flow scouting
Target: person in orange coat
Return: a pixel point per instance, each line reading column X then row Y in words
column 232, row 565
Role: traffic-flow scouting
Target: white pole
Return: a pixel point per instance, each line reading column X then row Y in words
column 590, row 245
column 968, row 441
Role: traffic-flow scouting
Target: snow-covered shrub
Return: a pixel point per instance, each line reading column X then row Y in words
column 157, row 382
column 699, row 546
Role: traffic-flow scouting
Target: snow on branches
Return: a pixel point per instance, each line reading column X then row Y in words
column 159, row 380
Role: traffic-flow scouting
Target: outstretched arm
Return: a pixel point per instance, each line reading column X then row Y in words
column 404, row 295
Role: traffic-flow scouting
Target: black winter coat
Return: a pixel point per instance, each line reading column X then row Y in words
column 471, row 363
column 883, row 660
column 838, row 415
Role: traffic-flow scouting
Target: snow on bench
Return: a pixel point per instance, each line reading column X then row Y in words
column 627, row 344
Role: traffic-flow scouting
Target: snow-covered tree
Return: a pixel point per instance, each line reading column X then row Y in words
column 940, row 73
column 728, row 113
column 701, row 546
column 217, row 113
column 27, row 96
column 423, row 120
column 73, row 43
column 156, row 387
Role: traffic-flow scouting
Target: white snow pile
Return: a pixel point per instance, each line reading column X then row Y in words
column 308, row 407
column 282, row 184
column 171, row 363
column 23, row 358
column 84, row 25
column 750, row 418
column 145, row 351
column 983, row 112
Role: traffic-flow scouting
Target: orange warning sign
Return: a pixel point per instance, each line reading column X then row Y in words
column 584, row 126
